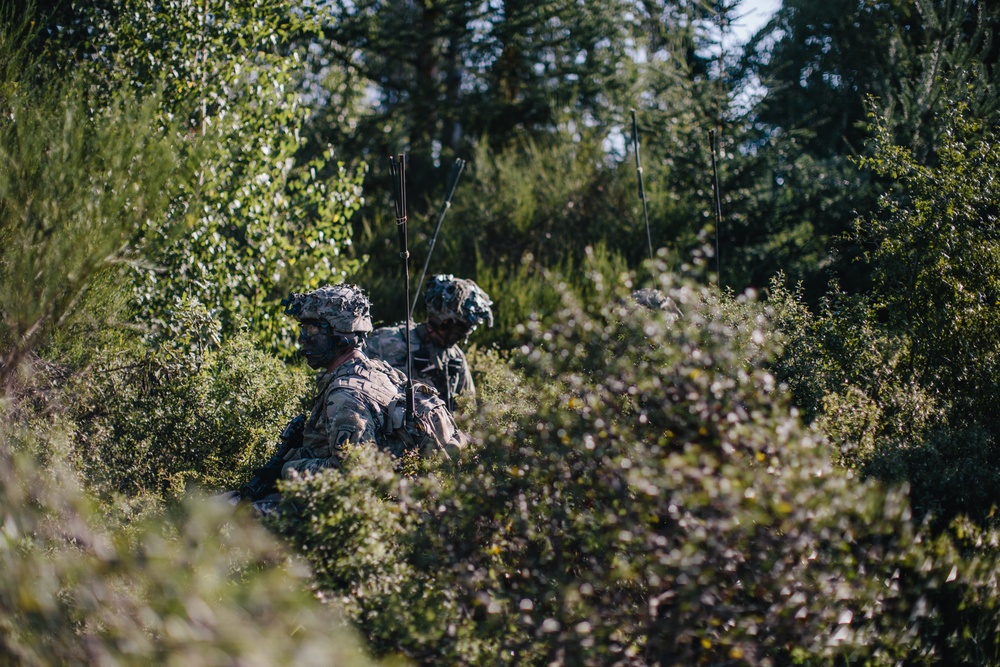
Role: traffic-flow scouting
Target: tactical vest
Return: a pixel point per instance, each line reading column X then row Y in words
column 433, row 428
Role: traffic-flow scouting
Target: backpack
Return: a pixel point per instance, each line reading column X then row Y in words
column 434, row 428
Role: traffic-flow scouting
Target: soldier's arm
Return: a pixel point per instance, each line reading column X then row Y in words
column 348, row 421
column 465, row 386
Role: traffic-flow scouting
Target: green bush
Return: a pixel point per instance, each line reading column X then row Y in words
column 249, row 219
column 903, row 379
column 191, row 410
column 656, row 501
column 200, row 586
column 77, row 181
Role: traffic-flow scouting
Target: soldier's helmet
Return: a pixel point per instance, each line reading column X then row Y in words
column 654, row 299
column 344, row 307
column 451, row 299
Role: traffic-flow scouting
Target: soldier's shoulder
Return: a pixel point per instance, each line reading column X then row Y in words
column 364, row 366
column 394, row 331
column 387, row 343
column 369, row 377
column 375, row 366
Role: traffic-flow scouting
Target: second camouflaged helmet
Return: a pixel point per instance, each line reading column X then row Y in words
column 451, row 299
column 344, row 307
column 654, row 299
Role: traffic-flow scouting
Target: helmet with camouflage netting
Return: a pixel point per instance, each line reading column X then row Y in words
column 654, row 299
column 344, row 307
column 451, row 299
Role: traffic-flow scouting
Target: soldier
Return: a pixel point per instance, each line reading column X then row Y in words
column 455, row 307
column 357, row 398
column 654, row 299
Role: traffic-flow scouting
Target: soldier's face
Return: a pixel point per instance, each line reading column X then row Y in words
column 446, row 334
column 315, row 343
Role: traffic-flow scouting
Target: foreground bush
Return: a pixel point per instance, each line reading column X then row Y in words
column 904, row 378
column 190, row 410
column 657, row 502
column 198, row 587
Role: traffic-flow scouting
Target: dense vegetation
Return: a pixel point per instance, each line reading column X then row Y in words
column 800, row 466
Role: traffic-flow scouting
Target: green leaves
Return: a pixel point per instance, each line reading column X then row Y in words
column 247, row 223
column 77, row 187
column 202, row 585
column 937, row 257
column 639, row 490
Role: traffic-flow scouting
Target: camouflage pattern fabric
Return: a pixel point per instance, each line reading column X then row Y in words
column 363, row 400
column 344, row 307
column 449, row 298
column 350, row 407
column 445, row 369
column 435, row 428
column 654, row 299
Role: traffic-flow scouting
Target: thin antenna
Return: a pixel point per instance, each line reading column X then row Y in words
column 642, row 190
column 397, row 168
column 718, row 202
column 456, row 172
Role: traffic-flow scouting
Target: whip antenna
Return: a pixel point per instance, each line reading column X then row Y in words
column 642, row 190
column 718, row 202
column 456, row 171
column 397, row 168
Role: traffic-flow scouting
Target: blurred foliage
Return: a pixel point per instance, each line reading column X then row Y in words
column 200, row 586
column 193, row 411
column 653, row 502
column 805, row 480
column 71, row 204
column 903, row 378
column 121, row 581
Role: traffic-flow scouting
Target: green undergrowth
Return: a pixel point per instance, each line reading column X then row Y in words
column 640, row 491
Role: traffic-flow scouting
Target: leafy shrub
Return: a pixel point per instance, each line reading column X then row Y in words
column 844, row 369
column 501, row 389
column 201, row 586
column 531, row 290
column 191, row 410
column 656, row 502
column 903, row 380
column 248, row 219
column 70, row 194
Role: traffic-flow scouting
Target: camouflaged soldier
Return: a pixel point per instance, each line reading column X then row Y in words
column 358, row 399
column 353, row 391
column 455, row 307
column 654, row 299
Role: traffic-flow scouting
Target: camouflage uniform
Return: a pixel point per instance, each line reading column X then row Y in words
column 358, row 399
column 445, row 369
column 654, row 299
column 350, row 407
column 455, row 307
column 352, row 398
